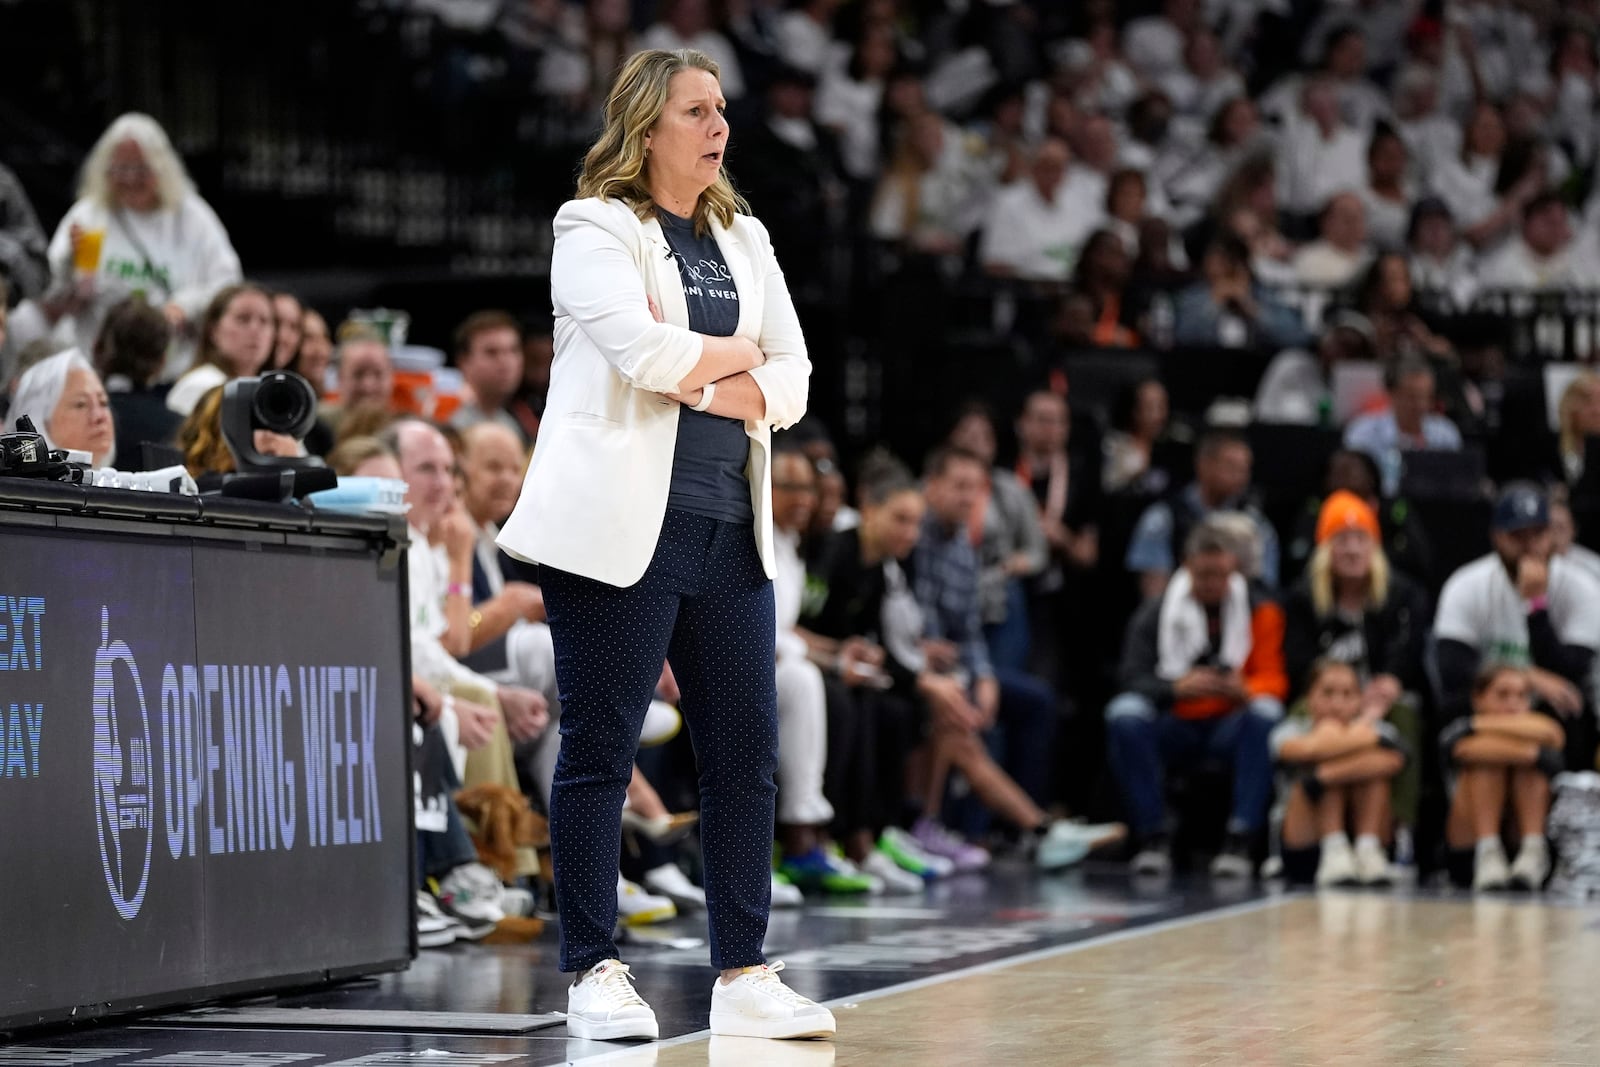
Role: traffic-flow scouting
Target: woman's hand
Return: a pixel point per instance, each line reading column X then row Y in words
column 276, row 444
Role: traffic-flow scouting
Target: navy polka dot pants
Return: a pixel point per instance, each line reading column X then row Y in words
column 706, row 604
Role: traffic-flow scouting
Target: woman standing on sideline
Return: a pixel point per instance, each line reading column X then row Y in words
column 648, row 507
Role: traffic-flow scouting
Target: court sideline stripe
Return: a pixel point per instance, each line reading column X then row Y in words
column 1115, row 937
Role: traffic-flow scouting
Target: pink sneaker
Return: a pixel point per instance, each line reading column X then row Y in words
column 939, row 841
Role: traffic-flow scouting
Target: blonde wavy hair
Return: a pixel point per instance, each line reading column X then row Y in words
column 172, row 180
column 205, row 451
column 1321, row 571
column 616, row 167
column 1567, row 411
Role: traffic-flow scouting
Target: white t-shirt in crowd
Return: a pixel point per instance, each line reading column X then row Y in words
column 1039, row 240
column 804, row 44
column 1321, row 264
column 1387, row 220
column 711, row 43
column 1514, row 265
column 429, row 576
column 1153, row 47
column 178, row 255
column 851, row 108
column 1480, row 607
column 1311, row 168
column 788, row 592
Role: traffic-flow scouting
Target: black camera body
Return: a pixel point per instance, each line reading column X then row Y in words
column 279, row 402
column 26, row 454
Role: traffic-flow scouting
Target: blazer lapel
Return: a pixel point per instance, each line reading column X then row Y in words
column 662, row 267
column 744, row 279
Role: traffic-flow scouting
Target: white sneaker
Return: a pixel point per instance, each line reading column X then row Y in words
column 638, row 908
column 785, row 894
column 890, row 875
column 1532, row 866
column 1490, row 871
column 1065, row 842
column 435, row 929
column 1152, row 862
column 668, row 880
column 471, row 894
column 1372, row 863
column 514, row 900
column 758, row 1004
column 1338, row 863
column 602, row 1006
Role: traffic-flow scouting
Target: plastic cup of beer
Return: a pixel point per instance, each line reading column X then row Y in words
column 86, row 252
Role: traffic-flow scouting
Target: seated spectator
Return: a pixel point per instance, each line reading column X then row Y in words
column 1202, row 677
column 1388, row 299
column 1483, row 194
column 1222, row 483
column 1102, row 275
column 289, row 316
column 206, row 453
column 804, row 814
column 1577, row 420
column 687, row 24
column 1322, row 154
column 1205, row 82
column 959, row 679
column 441, row 606
column 1340, row 55
column 1501, row 757
column 1009, row 539
column 1341, row 760
column 1564, row 539
column 1228, row 308
column 1523, row 606
column 850, row 96
column 156, row 235
column 315, row 355
column 1353, row 607
column 929, row 198
column 1153, row 44
column 129, row 352
column 1127, row 194
column 527, row 407
column 1541, row 256
column 1193, row 181
column 1387, row 194
column 366, row 380
column 64, row 398
column 1297, row 387
column 1036, row 227
column 805, row 35
column 853, row 583
column 488, row 352
column 1440, row 262
column 1340, row 251
column 1138, row 422
column 1409, row 423
column 1404, row 541
column 235, row 342
column 1067, row 494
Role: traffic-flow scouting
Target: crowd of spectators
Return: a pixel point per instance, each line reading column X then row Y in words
column 1096, row 595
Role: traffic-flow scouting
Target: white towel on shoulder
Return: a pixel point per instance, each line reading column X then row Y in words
column 1182, row 636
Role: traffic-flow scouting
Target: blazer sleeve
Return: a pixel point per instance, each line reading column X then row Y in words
column 595, row 279
column 784, row 379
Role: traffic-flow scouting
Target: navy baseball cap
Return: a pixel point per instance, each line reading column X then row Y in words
column 1521, row 506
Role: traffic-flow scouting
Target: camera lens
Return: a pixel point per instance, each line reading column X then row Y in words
column 285, row 403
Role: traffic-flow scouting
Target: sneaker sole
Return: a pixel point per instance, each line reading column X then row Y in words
column 439, row 939
column 617, row 1030
column 654, row 915
column 731, row 1024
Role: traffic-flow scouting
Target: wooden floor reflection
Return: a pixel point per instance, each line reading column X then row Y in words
column 1342, row 978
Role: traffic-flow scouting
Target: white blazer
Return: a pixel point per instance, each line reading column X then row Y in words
column 596, row 491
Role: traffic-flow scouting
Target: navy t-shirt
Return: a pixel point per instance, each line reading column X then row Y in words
column 708, row 468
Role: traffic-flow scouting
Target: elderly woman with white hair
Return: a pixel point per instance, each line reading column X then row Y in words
column 67, row 403
column 138, row 226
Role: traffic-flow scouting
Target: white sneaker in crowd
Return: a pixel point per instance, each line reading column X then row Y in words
column 785, row 894
column 638, row 908
column 1490, row 871
column 1532, row 865
column 603, row 1006
column 668, row 880
column 758, row 1004
column 516, row 901
column 891, row 875
column 1372, row 862
column 471, row 894
column 1338, row 863
column 435, row 929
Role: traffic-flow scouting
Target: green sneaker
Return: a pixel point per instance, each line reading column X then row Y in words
column 901, row 847
column 826, row 871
